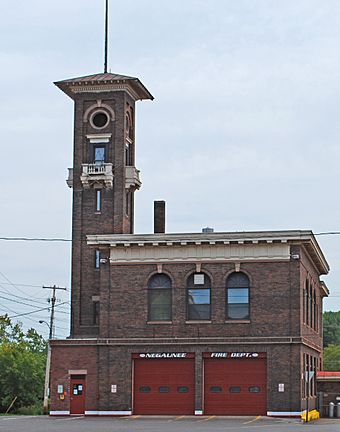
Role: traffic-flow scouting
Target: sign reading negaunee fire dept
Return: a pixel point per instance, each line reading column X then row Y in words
column 234, row 355
column 163, row 355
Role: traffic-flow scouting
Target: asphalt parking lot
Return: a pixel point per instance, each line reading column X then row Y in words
column 163, row 424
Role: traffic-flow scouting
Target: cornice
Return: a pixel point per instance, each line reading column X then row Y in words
column 274, row 241
column 100, row 88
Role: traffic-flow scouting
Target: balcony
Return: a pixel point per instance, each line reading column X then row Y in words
column 97, row 173
column 132, row 180
column 69, row 181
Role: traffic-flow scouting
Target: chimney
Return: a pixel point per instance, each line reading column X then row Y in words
column 159, row 217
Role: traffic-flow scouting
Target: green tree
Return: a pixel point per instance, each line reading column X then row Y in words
column 331, row 356
column 22, row 365
column 331, row 328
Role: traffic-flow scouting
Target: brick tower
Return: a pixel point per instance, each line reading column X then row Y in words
column 104, row 179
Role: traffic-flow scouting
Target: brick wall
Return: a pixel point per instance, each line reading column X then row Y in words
column 274, row 301
column 111, row 219
column 108, row 362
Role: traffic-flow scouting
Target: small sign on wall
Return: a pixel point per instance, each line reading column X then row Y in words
column 281, row 388
column 113, row 388
column 60, row 389
column 199, row 279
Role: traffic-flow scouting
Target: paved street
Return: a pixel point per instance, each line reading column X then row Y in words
column 163, row 424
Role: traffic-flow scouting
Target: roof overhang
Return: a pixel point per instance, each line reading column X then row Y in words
column 274, row 238
column 324, row 289
column 104, row 83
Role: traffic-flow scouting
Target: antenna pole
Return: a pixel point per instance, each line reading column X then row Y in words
column 106, row 33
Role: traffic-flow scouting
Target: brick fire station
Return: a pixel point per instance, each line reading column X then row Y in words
column 218, row 323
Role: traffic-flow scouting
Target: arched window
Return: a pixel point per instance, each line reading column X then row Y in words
column 310, row 306
column 198, row 297
column 314, row 309
column 128, row 125
column 237, row 297
column 159, row 298
column 307, row 302
column 317, row 318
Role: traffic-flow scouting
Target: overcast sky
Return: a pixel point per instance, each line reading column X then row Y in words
column 243, row 133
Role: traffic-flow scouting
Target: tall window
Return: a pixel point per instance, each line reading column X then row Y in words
column 317, row 319
column 310, row 306
column 159, row 298
column 128, row 203
column 198, row 297
column 96, row 309
column 128, row 154
column 97, row 259
column 98, row 200
column 307, row 302
column 128, row 124
column 99, row 154
column 237, row 297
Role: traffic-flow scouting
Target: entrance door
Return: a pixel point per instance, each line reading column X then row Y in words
column 77, row 396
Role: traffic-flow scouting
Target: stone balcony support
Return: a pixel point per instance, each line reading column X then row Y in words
column 132, row 180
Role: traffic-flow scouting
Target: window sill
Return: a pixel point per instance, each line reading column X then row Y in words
column 159, row 322
column 98, row 213
column 237, row 321
column 198, row 322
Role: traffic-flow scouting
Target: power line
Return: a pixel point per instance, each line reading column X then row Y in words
column 7, row 308
column 12, row 284
column 42, row 239
column 17, row 301
column 26, row 304
column 22, row 298
column 53, row 300
column 33, row 312
column 60, row 239
column 18, row 284
column 327, row 233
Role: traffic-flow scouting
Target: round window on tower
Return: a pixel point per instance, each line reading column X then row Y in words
column 99, row 119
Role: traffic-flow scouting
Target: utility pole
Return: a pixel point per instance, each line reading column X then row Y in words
column 53, row 300
column 51, row 335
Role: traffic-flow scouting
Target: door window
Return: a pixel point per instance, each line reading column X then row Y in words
column 99, row 154
column 77, row 389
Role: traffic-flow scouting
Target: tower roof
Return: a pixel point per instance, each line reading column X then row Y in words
column 104, row 82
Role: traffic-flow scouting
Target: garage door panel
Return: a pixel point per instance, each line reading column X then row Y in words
column 235, row 386
column 164, row 386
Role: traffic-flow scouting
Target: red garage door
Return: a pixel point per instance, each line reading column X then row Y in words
column 235, row 386
column 164, row 386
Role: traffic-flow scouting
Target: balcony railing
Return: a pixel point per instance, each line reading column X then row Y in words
column 97, row 172
column 103, row 173
column 96, row 168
